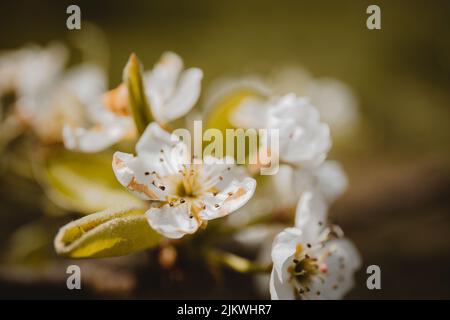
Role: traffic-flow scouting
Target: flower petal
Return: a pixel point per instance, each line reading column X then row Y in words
column 172, row 221
column 251, row 113
column 162, row 148
column 184, row 97
column 172, row 93
column 138, row 176
column 98, row 137
column 332, row 180
column 283, row 249
column 280, row 290
column 342, row 260
column 311, row 215
column 304, row 140
column 229, row 199
column 160, row 82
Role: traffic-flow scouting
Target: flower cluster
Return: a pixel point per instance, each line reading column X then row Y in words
column 167, row 197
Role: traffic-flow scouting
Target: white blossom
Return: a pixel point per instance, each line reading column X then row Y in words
column 184, row 195
column 311, row 260
column 304, row 138
column 110, row 121
column 171, row 93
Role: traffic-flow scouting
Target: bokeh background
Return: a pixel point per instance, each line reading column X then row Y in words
column 397, row 208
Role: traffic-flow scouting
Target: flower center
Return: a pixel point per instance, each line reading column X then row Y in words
column 302, row 269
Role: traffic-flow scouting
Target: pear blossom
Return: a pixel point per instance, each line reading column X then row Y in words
column 171, row 93
column 334, row 99
column 111, row 123
column 304, row 139
column 183, row 195
column 311, row 260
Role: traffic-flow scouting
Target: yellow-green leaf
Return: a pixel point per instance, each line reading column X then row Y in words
column 109, row 233
column 83, row 183
column 132, row 77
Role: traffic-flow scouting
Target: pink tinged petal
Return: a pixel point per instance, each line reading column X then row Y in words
column 283, row 249
column 138, row 177
column 172, row 221
column 280, row 290
column 342, row 260
column 311, row 215
column 228, row 200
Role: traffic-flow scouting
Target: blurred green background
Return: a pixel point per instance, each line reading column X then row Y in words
column 397, row 209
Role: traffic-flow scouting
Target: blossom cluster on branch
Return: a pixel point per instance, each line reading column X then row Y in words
column 158, row 195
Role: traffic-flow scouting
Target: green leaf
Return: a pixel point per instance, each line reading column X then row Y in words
column 109, row 233
column 140, row 108
column 83, row 183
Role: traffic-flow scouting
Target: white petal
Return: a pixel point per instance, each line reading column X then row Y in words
column 172, row 93
column 39, row 67
column 87, row 82
column 160, row 82
column 283, row 249
column 228, row 200
column 336, row 102
column 332, row 180
column 138, row 177
column 280, row 290
column 304, row 140
column 172, row 222
column 250, row 114
column 158, row 146
column 255, row 236
column 311, row 215
column 342, row 261
column 184, row 97
column 154, row 138
column 96, row 138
